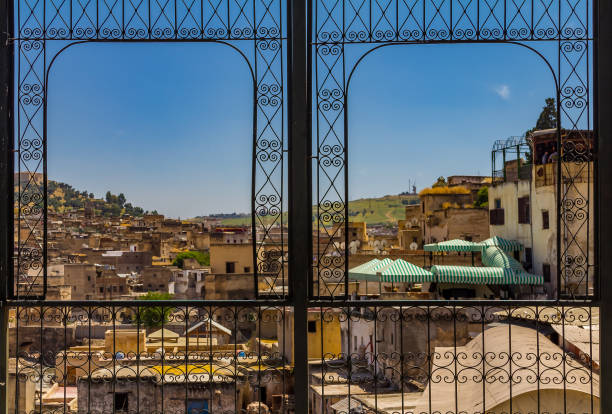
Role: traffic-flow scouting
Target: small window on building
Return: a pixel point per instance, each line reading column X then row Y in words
column 468, row 238
column 161, row 286
column 312, row 326
column 497, row 203
column 230, row 267
column 247, row 269
column 120, row 288
column 545, row 220
column 89, row 278
column 114, row 288
column 355, row 342
column 101, row 290
column 546, row 272
column 523, row 210
column 121, row 401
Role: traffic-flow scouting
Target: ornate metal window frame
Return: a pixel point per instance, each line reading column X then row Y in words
column 303, row 39
column 364, row 26
column 45, row 29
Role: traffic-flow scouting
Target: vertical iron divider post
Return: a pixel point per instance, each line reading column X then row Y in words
column 603, row 124
column 300, row 188
column 6, row 187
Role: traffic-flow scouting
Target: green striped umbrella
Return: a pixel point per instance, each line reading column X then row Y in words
column 456, row 245
column 403, row 271
column 363, row 272
column 504, row 244
column 473, row 275
column 494, row 256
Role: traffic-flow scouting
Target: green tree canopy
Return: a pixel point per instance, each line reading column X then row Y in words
column 154, row 316
column 440, row 182
column 547, row 118
column 202, row 258
column 482, row 197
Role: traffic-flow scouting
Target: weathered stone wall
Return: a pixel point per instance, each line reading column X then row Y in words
column 229, row 286
column 415, row 337
column 146, row 394
column 82, row 278
column 457, row 223
column 30, row 340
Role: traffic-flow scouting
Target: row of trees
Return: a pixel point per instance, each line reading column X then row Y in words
column 118, row 205
column 62, row 196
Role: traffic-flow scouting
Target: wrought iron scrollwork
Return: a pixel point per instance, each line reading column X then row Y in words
column 364, row 25
column 252, row 27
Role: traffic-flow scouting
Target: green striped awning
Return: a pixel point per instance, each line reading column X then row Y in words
column 494, row 256
column 369, row 270
column 381, row 266
column 524, row 278
column 364, row 266
column 473, row 275
column 504, row 244
column 403, row 271
column 362, row 272
column 456, row 245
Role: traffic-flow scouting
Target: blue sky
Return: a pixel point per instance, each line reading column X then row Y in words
column 169, row 125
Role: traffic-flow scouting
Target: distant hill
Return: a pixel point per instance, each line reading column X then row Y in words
column 388, row 209
column 63, row 197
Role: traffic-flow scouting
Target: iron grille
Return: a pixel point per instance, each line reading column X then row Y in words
column 429, row 348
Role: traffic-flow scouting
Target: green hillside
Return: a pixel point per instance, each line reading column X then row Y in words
column 62, row 197
column 387, row 209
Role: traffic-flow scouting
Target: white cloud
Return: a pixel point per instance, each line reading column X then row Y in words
column 503, row 91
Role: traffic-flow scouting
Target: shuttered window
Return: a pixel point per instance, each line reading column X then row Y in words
column 523, row 210
column 546, row 272
column 496, row 217
column 545, row 220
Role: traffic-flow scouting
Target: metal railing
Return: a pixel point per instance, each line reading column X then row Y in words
column 303, row 351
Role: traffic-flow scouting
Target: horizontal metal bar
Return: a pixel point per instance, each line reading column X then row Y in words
column 137, row 40
column 289, row 303
column 145, row 303
column 453, row 41
column 461, row 303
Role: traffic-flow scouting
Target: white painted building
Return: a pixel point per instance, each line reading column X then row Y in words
column 523, row 207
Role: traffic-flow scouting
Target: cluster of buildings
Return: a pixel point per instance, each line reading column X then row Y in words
column 521, row 203
column 122, row 258
column 198, row 359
